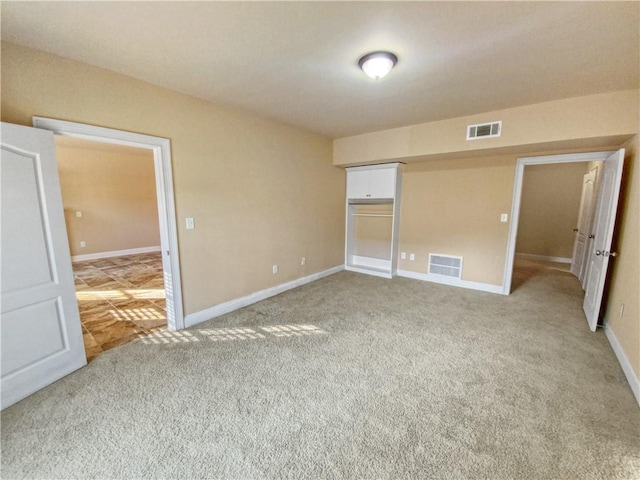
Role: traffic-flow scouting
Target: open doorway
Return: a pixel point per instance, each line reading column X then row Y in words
column 601, row 223
column 556, row 212
column 161, row 149
column 110, row 203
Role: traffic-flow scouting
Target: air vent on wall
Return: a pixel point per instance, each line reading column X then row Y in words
column 445, row 265
column 484, row 130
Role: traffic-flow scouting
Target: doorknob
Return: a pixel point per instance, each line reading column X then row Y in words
column 599, row 252
column 592, row 236
column 611, row 254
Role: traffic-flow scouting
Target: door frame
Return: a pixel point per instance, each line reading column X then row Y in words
column 161, row 148
column 517, row 196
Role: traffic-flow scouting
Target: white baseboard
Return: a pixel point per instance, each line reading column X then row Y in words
column 370, row 262
column 544, row 257
column 212, row 312
column 632, row 378
column 369, row 271
column 453, row 282
column 115, row 253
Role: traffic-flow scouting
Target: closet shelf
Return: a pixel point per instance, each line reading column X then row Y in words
column 372, row 215
column 370, row 201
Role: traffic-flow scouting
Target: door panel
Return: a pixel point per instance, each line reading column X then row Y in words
column 358, row 184
column 584, row 225
column 23, row 263
column 382, row 183
column 604, row 221
column 43, row 321
column 40, row 325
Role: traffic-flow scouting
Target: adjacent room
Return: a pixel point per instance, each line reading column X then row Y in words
column 111, row 215
column 320, row 240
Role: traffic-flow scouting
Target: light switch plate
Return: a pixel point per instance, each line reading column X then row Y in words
column 190, row 223
column 504, row 217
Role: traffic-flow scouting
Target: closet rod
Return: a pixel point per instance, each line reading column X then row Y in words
column 372, row 215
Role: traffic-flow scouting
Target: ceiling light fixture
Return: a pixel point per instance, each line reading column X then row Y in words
column 377, row 64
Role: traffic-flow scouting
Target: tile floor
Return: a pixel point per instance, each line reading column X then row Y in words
column 120, row 299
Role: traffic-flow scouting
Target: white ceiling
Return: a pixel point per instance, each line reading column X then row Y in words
column 296, row 62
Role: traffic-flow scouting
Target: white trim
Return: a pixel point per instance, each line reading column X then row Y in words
column 632, row 378
column 161, row 148
column 115, row 253
column 370, row 262
column 451, row 281
column 376, row 272
column 544, row 257
column 376, row 166
column 223, row 308
column 517, row 194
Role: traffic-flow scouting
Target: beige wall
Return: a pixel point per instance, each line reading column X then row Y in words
column 549, row 209
column 625, row 280
column 261, row 193
column 114, row 188
column 545, row 126
column 453, row 207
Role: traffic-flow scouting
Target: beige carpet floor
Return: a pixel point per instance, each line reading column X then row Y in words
column 351, row 376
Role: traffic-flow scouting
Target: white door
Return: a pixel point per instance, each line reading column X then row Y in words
column 383, row 183
column 585, row 215
column 604, row 220
column 40, row 325
column 358, row 184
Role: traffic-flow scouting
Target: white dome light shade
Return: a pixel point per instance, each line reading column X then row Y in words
column 377, row 64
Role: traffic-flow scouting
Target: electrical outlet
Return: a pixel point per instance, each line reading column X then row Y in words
column 274, row 269
column 78, row 214
column 303, row 261
column 412, row 256
column 403, row 255
column 83, row 244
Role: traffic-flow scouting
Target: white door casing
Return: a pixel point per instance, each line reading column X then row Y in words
column 40, row 324
column 603, row 228
column 517, row 196
column 164, row 188
column 585, row 214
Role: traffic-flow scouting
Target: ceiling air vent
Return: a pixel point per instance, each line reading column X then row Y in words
column 484, row 130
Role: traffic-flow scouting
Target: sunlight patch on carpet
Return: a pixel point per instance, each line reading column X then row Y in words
column 166, row 336
column 222, row 334
column 226, row 334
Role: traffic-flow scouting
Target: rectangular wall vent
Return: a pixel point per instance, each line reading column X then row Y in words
column 484, row 130
column 445, row 265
